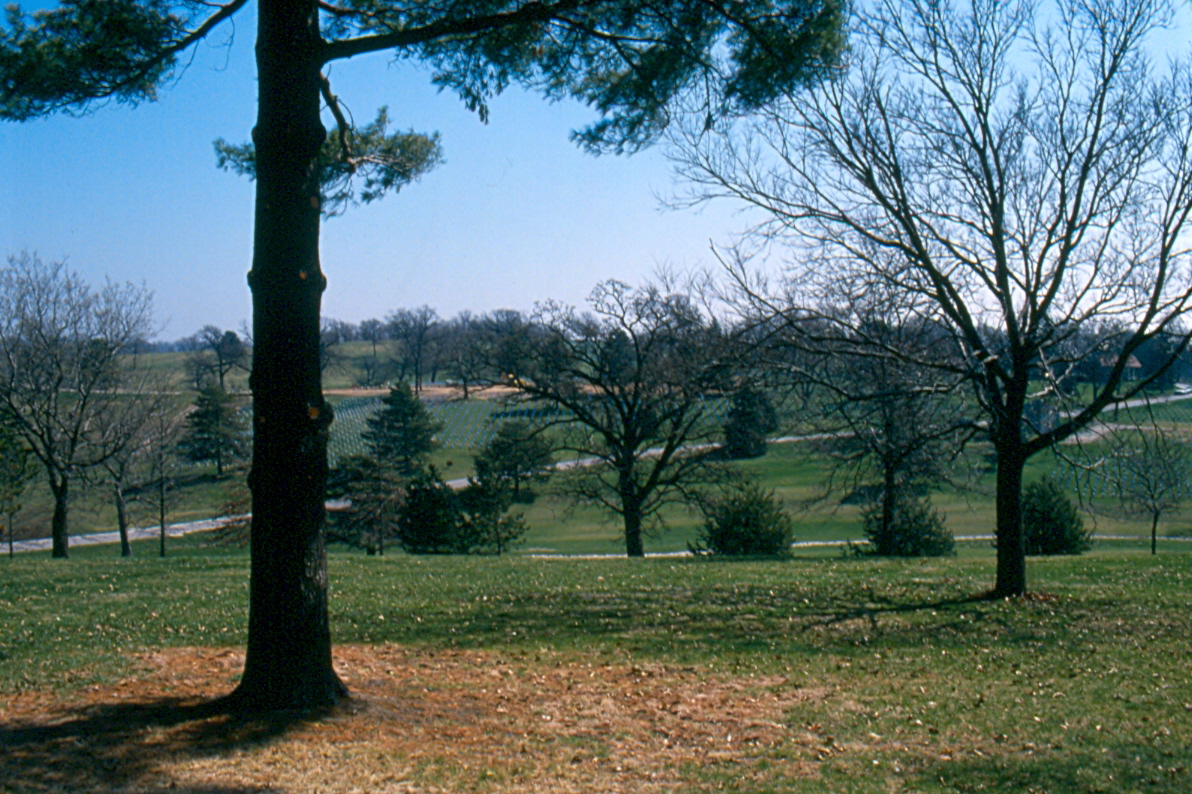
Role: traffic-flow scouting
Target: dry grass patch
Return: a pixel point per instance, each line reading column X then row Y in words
column 419, row 721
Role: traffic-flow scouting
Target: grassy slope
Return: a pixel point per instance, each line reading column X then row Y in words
column 916, row 687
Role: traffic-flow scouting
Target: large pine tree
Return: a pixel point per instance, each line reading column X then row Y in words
column 628, row 59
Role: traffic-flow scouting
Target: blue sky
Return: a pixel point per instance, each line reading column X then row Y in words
column 516, row 214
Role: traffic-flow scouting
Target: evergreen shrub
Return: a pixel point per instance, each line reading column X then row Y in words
column 915, row 529
column 1051, row 522
column 745, row 520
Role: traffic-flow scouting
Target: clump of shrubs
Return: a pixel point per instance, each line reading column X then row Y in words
column 910, row 528
column 1051, row 522
column 437, row 519
column 745, row 520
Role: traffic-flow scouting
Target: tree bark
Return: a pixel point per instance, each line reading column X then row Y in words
column 633, row 534
column 1155, row 533
column 1011, row 541
column 889, row 500
column 122, row 520
column 288, row 660
column 60, row 487
column 161, row 503
column 632, row 514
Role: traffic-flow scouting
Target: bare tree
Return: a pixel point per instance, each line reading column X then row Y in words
column 331, row 336
column 464, row 351
column 217, row 352
column 414, row 330
column 372, row 331
column 883, row 425
column 629, row 384
column 1026, row 184
column 509, row 338
column 1149, row 471
column 134, row 424
column 62, row 369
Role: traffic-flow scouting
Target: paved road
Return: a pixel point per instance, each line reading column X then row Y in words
column 178, row 530
column 134, row 533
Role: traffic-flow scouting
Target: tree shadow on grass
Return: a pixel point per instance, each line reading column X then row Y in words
column 883, row 605
column 697, row 623
column 117, row 746
column 1117, row 766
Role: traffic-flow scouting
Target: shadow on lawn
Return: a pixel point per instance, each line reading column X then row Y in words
column 879, row 606
column 112, row 747
column 1116, row 766
column 697, row 622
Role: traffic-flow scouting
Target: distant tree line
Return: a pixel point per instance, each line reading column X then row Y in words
column 650, row 395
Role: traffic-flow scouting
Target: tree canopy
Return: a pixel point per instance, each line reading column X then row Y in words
column 626, row 59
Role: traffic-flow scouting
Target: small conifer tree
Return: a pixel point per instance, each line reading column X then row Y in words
column 513, row 458
column 744, row 519
column 216, row 430
column 1051, row 522
column 751, row 417
column 402, row 434
column 913, row 529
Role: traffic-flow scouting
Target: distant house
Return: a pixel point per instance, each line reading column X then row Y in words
column 1132, row 371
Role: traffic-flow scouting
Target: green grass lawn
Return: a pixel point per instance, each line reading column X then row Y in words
column 918, row 687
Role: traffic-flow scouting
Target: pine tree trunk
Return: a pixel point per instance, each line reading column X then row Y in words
column 288, row 661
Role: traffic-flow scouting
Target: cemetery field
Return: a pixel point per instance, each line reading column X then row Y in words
column 519, row 675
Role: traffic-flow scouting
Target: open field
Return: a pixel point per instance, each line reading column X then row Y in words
column 560, row 528
column 555, row 526
column 524, row 675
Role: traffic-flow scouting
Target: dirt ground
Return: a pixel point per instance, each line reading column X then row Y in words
column 418, row 721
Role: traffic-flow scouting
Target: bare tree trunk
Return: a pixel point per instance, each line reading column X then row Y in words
column 122, row 519
column 889, row 501
column 633, row 535
column 288, row 660
column 60, row 487
column 632, row 514
column 1011, row 541
column 1154, row 533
